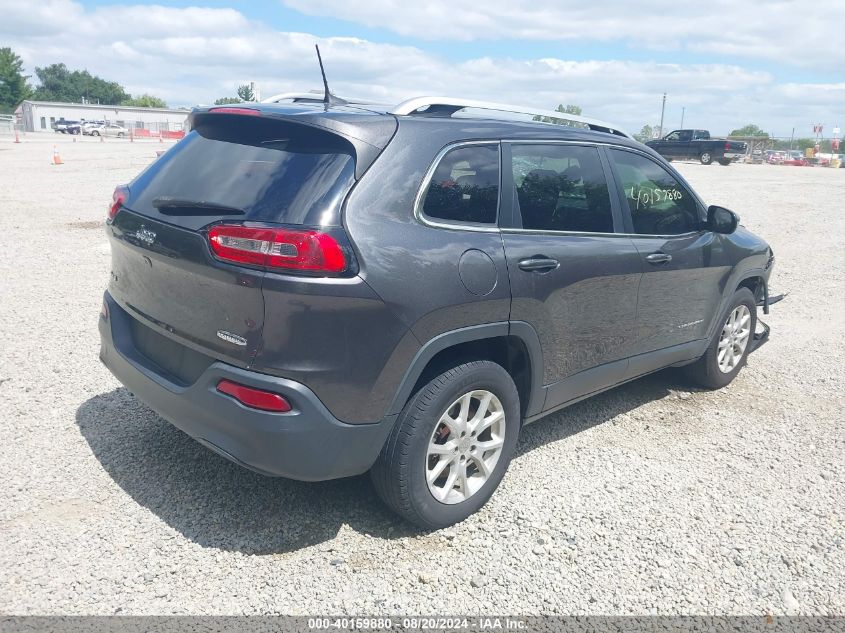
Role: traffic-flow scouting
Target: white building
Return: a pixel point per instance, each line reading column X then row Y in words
column 39, row 116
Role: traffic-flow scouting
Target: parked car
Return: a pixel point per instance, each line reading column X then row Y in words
column 89, row 126
column 697, row 145
column 109, row 129
column 316, row 291
column 798, row 161
column 67, row 127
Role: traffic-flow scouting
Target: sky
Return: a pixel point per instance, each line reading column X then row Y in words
column 722, row 63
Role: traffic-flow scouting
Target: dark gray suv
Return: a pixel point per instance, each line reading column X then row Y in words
column 318, row 291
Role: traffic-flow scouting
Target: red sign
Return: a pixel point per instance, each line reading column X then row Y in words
column 835, row 144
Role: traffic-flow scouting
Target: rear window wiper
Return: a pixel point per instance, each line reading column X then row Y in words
column 182, row 206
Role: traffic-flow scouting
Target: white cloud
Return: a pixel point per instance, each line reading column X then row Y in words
column 797, row 33
column 195, row 55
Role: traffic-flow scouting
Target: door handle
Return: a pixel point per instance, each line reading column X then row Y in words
column 538, row 264
column 658, row 258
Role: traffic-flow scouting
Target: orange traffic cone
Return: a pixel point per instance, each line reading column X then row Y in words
column 17, row 138
column 57, row 160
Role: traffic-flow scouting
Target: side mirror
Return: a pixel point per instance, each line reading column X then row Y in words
column 721, row 220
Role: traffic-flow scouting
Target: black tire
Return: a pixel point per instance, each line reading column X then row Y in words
column 95, row 133
column 725, row 161
column 400, row 472
column 120, row 135
column 706, row 158
column 705, row 371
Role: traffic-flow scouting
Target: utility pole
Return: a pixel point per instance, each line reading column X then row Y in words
column 791, row 139
column 662, row 112
column 683, row 111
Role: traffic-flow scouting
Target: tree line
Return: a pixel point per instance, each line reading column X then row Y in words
column 57, row 82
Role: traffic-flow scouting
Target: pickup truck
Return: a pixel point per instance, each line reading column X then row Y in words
column 697, row 145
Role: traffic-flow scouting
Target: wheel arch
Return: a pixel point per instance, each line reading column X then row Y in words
column 515, row 346
column 755, row 281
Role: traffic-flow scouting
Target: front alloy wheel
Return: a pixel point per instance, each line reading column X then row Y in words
column 728, row 349
column 734, row 338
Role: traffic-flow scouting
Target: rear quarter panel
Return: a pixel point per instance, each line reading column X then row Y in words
column 413, row 267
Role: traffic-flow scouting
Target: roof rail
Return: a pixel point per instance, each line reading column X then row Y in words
column 447, row 106
column 312, row 97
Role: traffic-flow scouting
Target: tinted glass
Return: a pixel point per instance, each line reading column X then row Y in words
column 561, row 188
column 271, row 171
column 659, row 204
column 465, row 186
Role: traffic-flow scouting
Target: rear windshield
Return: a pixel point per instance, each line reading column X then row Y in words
column 248, row 168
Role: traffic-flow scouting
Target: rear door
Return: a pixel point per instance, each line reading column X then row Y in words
column 685, row 267
column 573, row 275
column 232, row 169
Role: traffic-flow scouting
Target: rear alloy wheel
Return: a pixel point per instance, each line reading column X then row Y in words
column 706, row 158
column 728, row 351
column 450, row 446
column 465, row 446
column 120, row 135
column 95, row 133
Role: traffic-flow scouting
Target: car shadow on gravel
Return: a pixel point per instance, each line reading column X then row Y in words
column 216, row 503
column 598, row 410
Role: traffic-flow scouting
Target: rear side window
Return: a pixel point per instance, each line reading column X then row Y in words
column 659, row 204
column 248, row 168
column 561, row 188
column 465, row 186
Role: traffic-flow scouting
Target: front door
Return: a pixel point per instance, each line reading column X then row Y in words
column 573, row 275
column 684, row 266
column 676, row 144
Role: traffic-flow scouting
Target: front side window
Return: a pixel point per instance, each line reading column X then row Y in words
column 465, row 186
column 561, row 188
column 659, row 204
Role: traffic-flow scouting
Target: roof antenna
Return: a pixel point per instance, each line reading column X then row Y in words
column 328, row 98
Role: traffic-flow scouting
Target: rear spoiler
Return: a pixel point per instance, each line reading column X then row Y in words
column 368, row 134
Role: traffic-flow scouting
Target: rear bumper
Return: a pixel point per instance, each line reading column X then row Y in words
column 307, row 443
column 734, row 155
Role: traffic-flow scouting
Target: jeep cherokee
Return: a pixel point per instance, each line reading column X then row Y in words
column 316, row 291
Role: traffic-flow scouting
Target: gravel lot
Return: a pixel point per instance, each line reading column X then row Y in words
column 649, row 499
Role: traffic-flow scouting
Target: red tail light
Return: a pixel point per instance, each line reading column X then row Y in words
column 117, row 199
column 284, row 249
column 254, row 398
column 727, row 146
